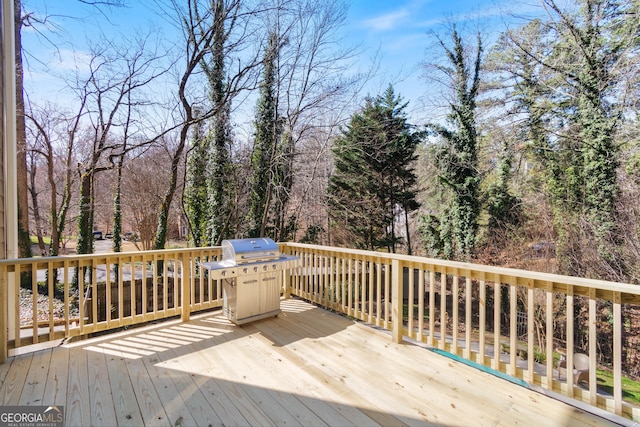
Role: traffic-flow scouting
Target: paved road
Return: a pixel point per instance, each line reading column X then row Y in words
column 102, row 246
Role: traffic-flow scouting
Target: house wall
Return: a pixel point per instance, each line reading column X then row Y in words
column 3, row 247
column 8, row 190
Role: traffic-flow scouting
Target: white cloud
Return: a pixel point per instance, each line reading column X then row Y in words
column 405, row 42
column 49, row 74
column 387, row 21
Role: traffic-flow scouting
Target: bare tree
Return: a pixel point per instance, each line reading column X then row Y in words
column 27, row 19
column 143, row 186
column 314, row 91
column 199, row 22
column 54, row 131
column 34, row 189
column 114, row 76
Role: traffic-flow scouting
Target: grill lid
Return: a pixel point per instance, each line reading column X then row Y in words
column 242, row 251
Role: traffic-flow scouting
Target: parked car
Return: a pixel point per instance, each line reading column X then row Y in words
column 130, row 236
column 543, row 250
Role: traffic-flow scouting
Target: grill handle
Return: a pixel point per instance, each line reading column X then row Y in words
column 260, row 255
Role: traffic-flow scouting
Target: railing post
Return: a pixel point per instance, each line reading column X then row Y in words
column 286, row 281
column 396, row 301
column 617, row 353
column 185, row 260
column 4, row 320
column 593, row 348
column 287, row 274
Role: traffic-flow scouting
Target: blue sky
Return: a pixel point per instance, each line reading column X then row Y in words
column 400, row 31
column 403, row 31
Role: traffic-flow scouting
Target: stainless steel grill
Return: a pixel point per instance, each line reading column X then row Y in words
column 250, row 271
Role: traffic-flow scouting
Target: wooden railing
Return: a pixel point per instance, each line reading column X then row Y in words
column 511, row 322
column 523, row 324
column 101, row 292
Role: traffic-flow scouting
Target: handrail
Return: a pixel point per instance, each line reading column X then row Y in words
column 472, row 312
column 142, row 286
column 632, row 290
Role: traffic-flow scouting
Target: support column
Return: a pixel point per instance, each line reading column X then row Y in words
column 185, row 261
column 10, row 200
column 396, row 301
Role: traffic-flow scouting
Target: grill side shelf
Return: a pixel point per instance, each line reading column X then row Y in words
column 224, row 270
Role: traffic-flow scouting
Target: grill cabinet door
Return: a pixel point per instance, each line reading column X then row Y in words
column 270, row 292
column 248, row 296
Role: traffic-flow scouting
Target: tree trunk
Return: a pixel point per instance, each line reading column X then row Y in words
column 117, row 211
column 33, row 192
column 85, row 217
column 24, row 239
column 54, row 245
column 406, row 224
column 163, row 217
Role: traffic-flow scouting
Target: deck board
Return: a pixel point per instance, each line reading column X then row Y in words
column 101, row 392
column 126, row 406
column 170, row 397
column 149, row 404
column 15, row 379
column 55, row 391
column 77, row 405
column 35, row 381
column 308, row 366
column 4, row 370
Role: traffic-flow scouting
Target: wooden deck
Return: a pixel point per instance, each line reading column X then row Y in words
column 306, row 367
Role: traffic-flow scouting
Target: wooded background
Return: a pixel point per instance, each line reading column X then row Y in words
column 526, row 154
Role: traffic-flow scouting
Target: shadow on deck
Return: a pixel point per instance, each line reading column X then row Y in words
column 306, row 367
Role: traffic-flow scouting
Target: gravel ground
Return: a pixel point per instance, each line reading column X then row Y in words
column 26, row 308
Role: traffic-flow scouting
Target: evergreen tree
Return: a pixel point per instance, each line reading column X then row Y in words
column 219, row 171
column 221, row 200
column 268, row 133
column 597, row 121
column 542, row 113
column 577, row 60
column 503, row 207
column 457, row 160
column 283, row 183
column 207, row 199
column 196, row 197
column 374, row 180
